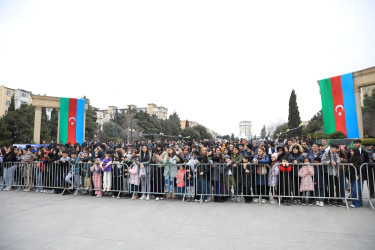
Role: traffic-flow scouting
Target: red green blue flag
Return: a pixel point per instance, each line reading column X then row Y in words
column 338, row 103
column 72, row 118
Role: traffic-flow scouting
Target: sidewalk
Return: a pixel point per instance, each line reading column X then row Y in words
column 49, row 221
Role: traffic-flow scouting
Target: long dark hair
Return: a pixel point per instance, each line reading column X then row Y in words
column 354, row 157
column 173, row 152
column 11, row 152
column 145, row 156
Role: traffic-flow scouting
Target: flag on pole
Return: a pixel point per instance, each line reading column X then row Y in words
column 72, row 114
column 338, row 103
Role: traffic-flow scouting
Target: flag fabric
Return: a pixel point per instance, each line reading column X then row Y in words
column 72, row 115
column 338, row 103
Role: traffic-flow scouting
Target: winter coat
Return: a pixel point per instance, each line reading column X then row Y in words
column 307, row 183
column 327, row 158
column 261, row 179
column 134, row 178
column 273, row 175
column 180, row 178
column 312, row 156
column 170, row 166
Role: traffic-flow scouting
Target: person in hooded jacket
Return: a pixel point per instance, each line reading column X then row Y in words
column 296, row 158
column 280, row 150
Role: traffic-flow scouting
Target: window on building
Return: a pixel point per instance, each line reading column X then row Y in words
column 8, row 93
column 8, row 103
column 24, row 94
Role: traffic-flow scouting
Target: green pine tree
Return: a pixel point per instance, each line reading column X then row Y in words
column 294, row 119
column 263, row 132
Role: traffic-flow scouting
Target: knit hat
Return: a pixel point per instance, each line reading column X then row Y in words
column 226, row 156
column 275, row 155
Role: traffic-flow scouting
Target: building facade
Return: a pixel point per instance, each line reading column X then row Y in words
column 246, row 129
column 5, row 98
column 105, row 115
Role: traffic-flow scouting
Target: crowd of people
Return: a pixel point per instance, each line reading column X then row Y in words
column 289, row 171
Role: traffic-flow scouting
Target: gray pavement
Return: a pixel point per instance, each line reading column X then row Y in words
column 50, row 221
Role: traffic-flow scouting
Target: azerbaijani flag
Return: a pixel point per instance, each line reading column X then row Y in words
column 338, row 102
column 72, row 118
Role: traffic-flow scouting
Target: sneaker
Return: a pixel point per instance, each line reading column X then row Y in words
column 206, row 201
column 317, row 203
column 310, row 203
column 76, row 192
column 263, row 201
column 157, row 198
column 25, row 190
column 142, row 197
column 134, row 197
column 352, row 206
column 238, row 199
column 321, row 204
column 35, row 190
column 44, row 191
column 303, row 204
column 273, row 202
column 98, row 195
column 148, row 197
column 340, row 203
column 255, row 200
column 52, row 191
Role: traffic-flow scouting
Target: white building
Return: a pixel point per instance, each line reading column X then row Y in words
column 246, row 129
column 21, row 97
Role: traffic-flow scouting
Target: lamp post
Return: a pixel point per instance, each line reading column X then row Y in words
column 131, row 134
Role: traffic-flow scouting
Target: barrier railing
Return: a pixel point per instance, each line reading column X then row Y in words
column 253, row 182
column 368, row 175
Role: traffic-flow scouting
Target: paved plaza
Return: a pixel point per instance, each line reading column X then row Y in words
column 49, row 221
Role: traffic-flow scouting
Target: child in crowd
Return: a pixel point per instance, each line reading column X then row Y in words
column 228, row 173
column 319, row 182
column 180, row 180
column 63, row 169
column 134, row 177
column 97, row 177
column 285, row 177
column 247, row 180
column 273, row 177
column 261, row 188
column 170, row 170
column 306, row 173
column 74, row 171
column 107, row 169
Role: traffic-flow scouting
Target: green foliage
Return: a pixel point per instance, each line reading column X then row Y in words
column 174, row 124
column 279, row 129
column 316, row 123
column 369, row 103
column 53, row 124
column 91, row 127
column 20, row 123
column 294, row 119
column 12, row 105
column 263, row 132
column 192, row 133
column 337, row 135
column 187, row 124
column 5, row 135
column 368, row 141
column 45, row 131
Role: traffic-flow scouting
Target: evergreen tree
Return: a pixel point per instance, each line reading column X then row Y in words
column 187, row 124
column 263, row 132
column 174, row 123
column 12, row 105
column 20, row 123
column 294, row 119
column 5, row 134
column 45, row 132
column 53, row 124
column 91, row 127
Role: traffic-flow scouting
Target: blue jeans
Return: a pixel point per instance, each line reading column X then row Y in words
column 180, row 191
column 169, row 183
column 202, row 187
column 9, row 175
column 355, row 183
column 38, row 179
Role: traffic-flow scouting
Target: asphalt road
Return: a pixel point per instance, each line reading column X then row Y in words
column 49, row 221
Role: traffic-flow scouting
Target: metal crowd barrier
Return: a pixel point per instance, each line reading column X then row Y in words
column 252, row 182
column 307, row 182
column 367, row 174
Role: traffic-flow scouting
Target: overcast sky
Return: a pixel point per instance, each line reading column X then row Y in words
column 213, row 62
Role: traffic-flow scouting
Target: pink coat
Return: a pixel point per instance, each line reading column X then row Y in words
column 180, row 176
column 307, row 183
column 134, row 178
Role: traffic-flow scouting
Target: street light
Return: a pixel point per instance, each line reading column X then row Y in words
column 116, row 114
column 131, row 134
